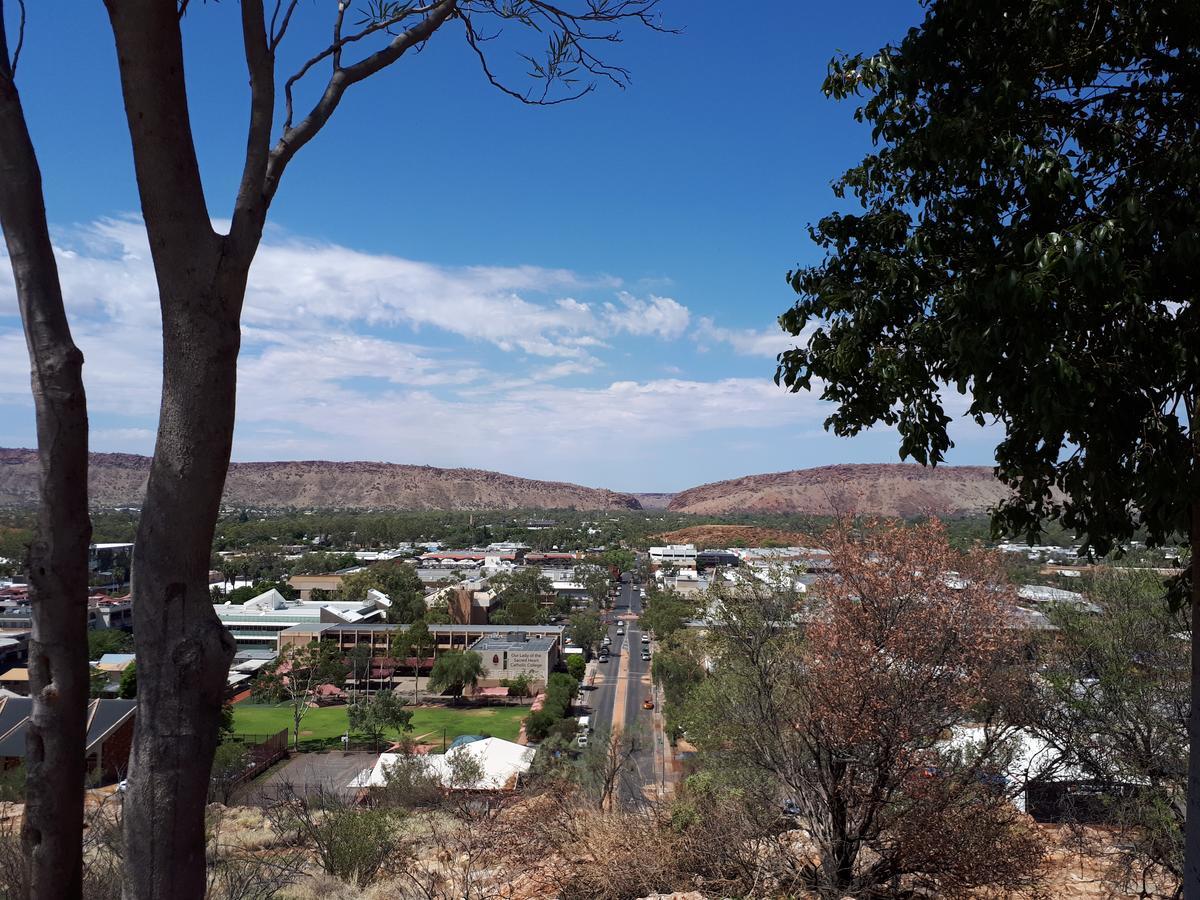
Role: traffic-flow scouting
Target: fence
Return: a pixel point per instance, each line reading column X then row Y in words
column 262, row 751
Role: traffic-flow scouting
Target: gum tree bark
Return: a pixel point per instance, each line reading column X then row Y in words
column 58, row 573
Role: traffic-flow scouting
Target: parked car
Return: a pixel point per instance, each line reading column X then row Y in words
column 645, row 638
column 648, row 704
column 581, row 741
column 645, row 656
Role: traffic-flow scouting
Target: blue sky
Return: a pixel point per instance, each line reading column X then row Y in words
column 586, row 292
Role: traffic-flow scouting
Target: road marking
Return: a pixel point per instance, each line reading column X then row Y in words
column 622, row 698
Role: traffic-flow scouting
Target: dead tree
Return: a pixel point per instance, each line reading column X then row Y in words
column 57, row 561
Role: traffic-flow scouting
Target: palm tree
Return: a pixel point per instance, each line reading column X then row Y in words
column 416, row 640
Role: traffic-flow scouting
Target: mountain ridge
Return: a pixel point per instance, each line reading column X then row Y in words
column 881, row 489
column 119, row 479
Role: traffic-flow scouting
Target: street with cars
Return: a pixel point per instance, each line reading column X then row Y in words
column 622, row 697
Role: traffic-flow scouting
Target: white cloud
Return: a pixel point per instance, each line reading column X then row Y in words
column 747, row 341
column 659, row 316
column 522, row 430
column 349, row 355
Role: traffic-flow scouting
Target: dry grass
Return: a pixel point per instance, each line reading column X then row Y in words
column 555, row 845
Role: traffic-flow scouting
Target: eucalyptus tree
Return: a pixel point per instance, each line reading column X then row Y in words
column 201, row 273
column 57, row 560
column 1024, row 232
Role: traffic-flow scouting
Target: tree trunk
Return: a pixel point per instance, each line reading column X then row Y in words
column 58, row 571
column 1191, row 868
column 183, row 650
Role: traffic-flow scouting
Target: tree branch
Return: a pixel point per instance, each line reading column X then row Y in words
column 474, row 40
column 277, row 36
column 293, row 138
column 570, row 34
column 150, row 58
column 335, row 48
column 250, row 207
column 12, row 66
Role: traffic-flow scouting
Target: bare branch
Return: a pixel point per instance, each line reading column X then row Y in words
column 337, row 34
column 12, row 67
column 293, row 138
column 250, row 208
column 474, row 40
column 570, row 36
column 334, row 49
column 277, row 36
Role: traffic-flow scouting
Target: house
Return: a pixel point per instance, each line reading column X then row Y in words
column 499, row 764
column 16, row 680
column 110, row 612
column 1045, row 782
column 684, row 581
column 109, row 735
column 116, row 663
column 1046, row 596
column 306, row 584
column 113, row 665
column 14, row 647
column 16, row 613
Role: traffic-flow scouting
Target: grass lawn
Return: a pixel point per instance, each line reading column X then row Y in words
column 325, row 726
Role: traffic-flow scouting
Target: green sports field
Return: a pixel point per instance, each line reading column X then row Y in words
column 324, row 727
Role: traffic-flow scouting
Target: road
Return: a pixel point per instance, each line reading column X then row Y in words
column 621, row 686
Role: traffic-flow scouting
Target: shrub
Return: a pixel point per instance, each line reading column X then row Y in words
column 538, row 725
column 576, row 666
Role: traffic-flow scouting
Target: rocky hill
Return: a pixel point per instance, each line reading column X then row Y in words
column 721, row 536
column 867, row 489
column 119, row 479
column 654, row 501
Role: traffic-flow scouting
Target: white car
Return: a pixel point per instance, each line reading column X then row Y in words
column 581, row 741
column 645, row 638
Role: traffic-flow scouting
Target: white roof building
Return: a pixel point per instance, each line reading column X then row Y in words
column 258, row 621
column 501, row 764
column 674, row 554
column 1038, row 593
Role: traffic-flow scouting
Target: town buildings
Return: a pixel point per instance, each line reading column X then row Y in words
column 257, row 623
